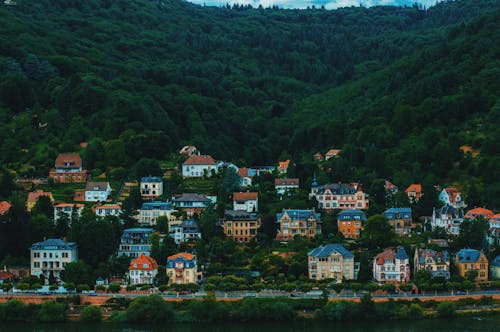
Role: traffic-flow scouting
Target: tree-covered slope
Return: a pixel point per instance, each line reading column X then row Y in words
column 140, row 78
column 409, row 121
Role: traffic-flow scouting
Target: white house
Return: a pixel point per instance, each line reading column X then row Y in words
column 67, row 209
column 283, row 186
column 142, row 270
column 97, row 191
column 50, row 257
column 448, row 218
column 198, row 166
column 391, row 267
column 451, row 196
column 188, row 230
column 246, row 201
column 108, row 210
column 151, row 187
column 150, row 211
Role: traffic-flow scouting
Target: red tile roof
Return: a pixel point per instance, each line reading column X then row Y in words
column 245, row 196
column 284, row 165
column 286, row 182
column 68, row 160
column 243, row 172
column 61, row 205
column 4, row 275
column 387, row 254
column 390, row 186
column 184, row 255
column 416, row 188
column 474, row 213
column 34, row 195
column 200, row 160
column 4, row 207
column 452, row 193
column 143, row 263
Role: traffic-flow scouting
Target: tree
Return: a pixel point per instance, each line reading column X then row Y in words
column 149, row 309
column 43, row 206
column 77, row 273
column 377, row 233
column 91, row 313
column 446, row 309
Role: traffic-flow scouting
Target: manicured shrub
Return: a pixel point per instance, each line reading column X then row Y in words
column 150, row 309
column 446, row 309
column 91, row 314
column 51, row 312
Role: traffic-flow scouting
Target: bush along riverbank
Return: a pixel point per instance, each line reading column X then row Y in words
column 155, row 309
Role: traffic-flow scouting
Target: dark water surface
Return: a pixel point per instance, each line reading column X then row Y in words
column 449, row 325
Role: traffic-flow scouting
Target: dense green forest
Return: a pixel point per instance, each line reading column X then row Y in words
column 405, row 87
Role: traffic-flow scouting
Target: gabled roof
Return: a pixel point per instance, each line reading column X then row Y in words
column 468, row 255
column 143, row 263
column 96, row 186
column 350, row 214
column 203, row 159
column 389, row 186
column 401, row 254
column 243, row 172
column 474, row 213
column 337, row 189
column 54, row 244
column 390, row 254
column 283, row 165
column 286, row 182
column 299, row 214
column 326, row 251
column 423, row 253
column 183, row 255
column 496, row 261
column 416, row 188
column 4, row 275
column 4, row 207
column 451, row 211
column 68, row 160
column 155, row 179
column 35, row 195
column 245, row 196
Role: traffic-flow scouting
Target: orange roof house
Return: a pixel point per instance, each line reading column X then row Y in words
column 68, row 168
column 199, row 166
column 479, row 212
column 4, row 207
column 143, row 270
column 332, row 153
column 203, row 159
column 189, row 150
column 389, row 186
column 283, row 166
column 34, row 196
column 144, row 263
column 246, row 201
column 414, row 192
column 184, row 255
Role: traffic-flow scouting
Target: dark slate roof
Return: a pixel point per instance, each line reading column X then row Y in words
column 138, row 230
column 298, row 214
column 240, row 215
column 496, row 261
column 468, row 255
column 350, row 214
column 156, row 205
column 401, row 254
column 450, row 210
column 151, row 179
column 54, row 244
column 191, row 197
column 422, row 253
column 391, row 213
column 337, row 189
column 326, row 251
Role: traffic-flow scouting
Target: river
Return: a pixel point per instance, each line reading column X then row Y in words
column 483, row 324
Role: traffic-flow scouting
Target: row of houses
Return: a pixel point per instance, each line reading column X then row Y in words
column 334, row 262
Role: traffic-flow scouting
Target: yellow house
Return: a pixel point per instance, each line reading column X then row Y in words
column 34, row 196
column 182, row 268
column 472, row 260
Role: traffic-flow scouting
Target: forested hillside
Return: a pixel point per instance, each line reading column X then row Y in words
column 138, row 79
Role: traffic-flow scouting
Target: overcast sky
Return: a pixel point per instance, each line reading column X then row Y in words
column 329, row 4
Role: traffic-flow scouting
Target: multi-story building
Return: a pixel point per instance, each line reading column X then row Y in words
column 350, row 223
column 142, row 270
column 135, row 242
column 339, row 196
column 414, row 192
column 50, row 257
column 436, row 262
column 400, row 220
column 241, row 226
column 288, row 185
column 68, row 168
column 187, row 230
column 305, row 223
column 191, row 203
column 114, row 210
column 70, row 210
column 391, row 267
column 150, row 211
column 479, row 212
column 199, row 166
column 451, row 196
column 97, row 191
column 332, row 262
column 468, row 260
column 448, row 218
column 495, row 267
column 151, row 187
column 182, row 268
column 246, row 201
column 34, row 196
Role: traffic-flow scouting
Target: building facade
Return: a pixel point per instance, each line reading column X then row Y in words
column 68, row 168
column 350, row 223
column 182, row 268
column 332, row 261
column 495, row 268
column 191, row 203
column 437, row 263
column 400, row 220
column 151, row 211
column 391, row 267
column 34, row 196
column 187, row 230
column 246, row 201
column 287, row 185
column 241, row 226
column 341, row 196
column 199, row 166
column 97, row 191
column 114, row 210
column 143, row 270
column 451, row 196
column 414, row 192
column 135, row 242
column 50, row 257
column 448, row 218
column 291, row 223
column 469, row 260
column 151, row 187
column 69, row 210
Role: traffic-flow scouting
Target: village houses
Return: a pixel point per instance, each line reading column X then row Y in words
column 436, row 262
column 50, row 257
column 199, row 166
column 142, row 270
column 414, row 192
column 350, row 223
column 400, row 220
column 68, row 168
column 187, row 230
column 286, row 185
column 332, row 261
column 97, row 191
column 151, row 211
column 391, row 267
column 134, row 242
column 34, row 196
column 182, row 268
column 69, row 210
column 104, row 210
column 192, row 203
column 339, row 196
column 451, row 196
column 448, row 218
column 472, row 261
column 151, row 187
column 291, row 223
column 246, row 201
column 241, row 226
